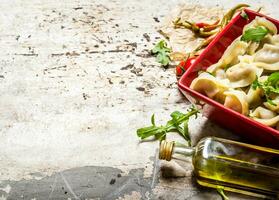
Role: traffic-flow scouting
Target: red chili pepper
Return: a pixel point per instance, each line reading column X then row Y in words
column 201, row 24
column 206, row 25
column 184, row 65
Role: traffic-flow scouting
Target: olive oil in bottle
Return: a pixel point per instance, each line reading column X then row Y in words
column 237, row 167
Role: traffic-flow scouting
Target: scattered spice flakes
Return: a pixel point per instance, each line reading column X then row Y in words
column 56, row 54
column 72, row 53
column 85, row 96
column 142, row 89
column 145, row 54
column 112, row 181
column 133, row 44
column 147, row 37
column 134, row 26
column 129, row 66
column 156, row 19
column 110, row 81
column 137, row 71
column 78, row 8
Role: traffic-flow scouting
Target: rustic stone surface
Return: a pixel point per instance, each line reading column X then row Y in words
column 76, row 81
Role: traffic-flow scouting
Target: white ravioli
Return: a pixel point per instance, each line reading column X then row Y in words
column 254, row 96
column 246, row 59
column 269, row 122
column 263, row 113
column 243, row 74
column 220, row 74
column 274, row 39
column 275, row 107
column 230, row 56
column 252, row 48
column 268, row 57
column 265, row 116
column 237, row 101
column 208, row 85
column 268, row 54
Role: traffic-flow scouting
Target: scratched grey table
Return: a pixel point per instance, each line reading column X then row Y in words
column 76, row 81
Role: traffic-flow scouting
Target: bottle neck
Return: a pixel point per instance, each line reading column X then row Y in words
column 171, row 150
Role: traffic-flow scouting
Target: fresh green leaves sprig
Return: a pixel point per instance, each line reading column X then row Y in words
column 254, row 34
column 162, row 52
column 178, row 123
column 269, row 87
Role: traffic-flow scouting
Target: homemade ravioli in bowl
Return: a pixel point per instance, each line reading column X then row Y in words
column 246, row 78
column 240, row 70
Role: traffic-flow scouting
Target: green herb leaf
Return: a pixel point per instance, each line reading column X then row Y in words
column 178, row 123
column 163, row 58
column 256, row 83
column 273, row 79
column 269, row 87
column 220, row 190
column 176, row 115
column 162, row 51
column 148, row 131
column 244, row 15
column 186, row 131
column 270, row 102
column 153, row 119
column 255, row 34
column 186, row 128
column 161, row 46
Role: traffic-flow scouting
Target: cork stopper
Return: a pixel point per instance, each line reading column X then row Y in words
column 166, row 149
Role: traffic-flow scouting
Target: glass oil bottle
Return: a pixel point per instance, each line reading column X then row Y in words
column 235, row 166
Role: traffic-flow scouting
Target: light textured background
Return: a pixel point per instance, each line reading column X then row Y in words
column 76, row 81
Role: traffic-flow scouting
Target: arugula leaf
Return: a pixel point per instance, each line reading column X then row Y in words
column 153, row 119
column 269, row 87
column 244, row 15
column 161, row 46
column 176, row 115
column 255, row 34
column 220, row 190
column 186, row 131
column 178, row 123
column 273, row 79
column 163, row 58
column 256, row 83
column 162, row 51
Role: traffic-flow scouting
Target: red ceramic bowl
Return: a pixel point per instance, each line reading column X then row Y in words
column 253, row 131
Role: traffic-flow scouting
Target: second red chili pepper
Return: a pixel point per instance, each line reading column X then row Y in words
column 184, row 65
